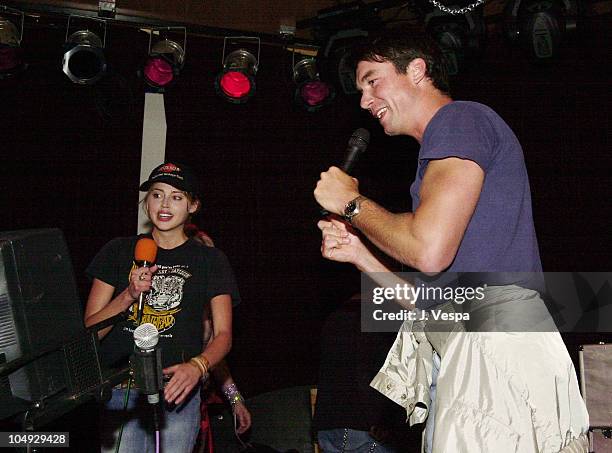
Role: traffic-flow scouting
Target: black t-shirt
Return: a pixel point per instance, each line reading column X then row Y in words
column 188, row 277
column 350, row 359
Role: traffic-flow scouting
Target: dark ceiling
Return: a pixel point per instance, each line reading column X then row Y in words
column 264, row 17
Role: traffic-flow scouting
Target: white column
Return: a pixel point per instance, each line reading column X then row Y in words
column 153, row 145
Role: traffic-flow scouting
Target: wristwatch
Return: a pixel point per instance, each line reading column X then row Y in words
column 352, row 208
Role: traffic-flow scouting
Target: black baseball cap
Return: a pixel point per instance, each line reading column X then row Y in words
column 177, row 175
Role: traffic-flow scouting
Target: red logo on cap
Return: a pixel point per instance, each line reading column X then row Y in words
column 169, row 168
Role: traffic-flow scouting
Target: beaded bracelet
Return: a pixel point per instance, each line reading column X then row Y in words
column 232, row 394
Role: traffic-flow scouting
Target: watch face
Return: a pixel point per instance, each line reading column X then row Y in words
column 350, row 207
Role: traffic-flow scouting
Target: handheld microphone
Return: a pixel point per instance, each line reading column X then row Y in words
column 144, row 256
column 356, row 146
column 147, row 365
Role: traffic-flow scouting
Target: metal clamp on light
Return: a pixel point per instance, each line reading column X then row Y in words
column 236, row 81
column 84, row 62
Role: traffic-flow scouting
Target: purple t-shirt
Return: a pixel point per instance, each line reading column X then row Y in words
column 500, row 236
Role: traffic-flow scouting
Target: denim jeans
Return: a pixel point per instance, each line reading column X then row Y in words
column 178, row 432
column 330, row 441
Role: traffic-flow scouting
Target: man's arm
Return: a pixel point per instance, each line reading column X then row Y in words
column 427, row 239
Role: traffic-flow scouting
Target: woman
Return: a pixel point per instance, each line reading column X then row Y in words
column 185, row 280
column 221, row 373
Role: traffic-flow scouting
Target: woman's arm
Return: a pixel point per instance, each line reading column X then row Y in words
column 185, row 376
column 221, row 343
column 222, row 376
column 100, row 306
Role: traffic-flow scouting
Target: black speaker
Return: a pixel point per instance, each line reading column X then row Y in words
column 282, row 422
column 39, row 308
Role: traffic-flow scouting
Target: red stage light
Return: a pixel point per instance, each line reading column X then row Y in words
column 236, row 81
column 315, row 92
column 311, row 93
column 235, row 84
column 166, row 57
column 158, row 72
column 11, row 61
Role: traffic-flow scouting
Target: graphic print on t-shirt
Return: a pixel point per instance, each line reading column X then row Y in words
column 164, row 300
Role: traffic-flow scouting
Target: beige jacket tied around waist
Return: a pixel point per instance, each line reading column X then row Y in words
column 497, row 392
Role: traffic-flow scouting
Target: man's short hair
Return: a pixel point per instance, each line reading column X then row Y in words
column 400, row 49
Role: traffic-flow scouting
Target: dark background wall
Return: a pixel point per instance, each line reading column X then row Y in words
column 71, row 156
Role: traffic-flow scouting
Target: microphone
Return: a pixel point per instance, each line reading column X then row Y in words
column 147, row 361
column 144, row 256
column 357, row 145
column 147, row 365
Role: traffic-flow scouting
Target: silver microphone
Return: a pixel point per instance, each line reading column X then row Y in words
column 147, row 365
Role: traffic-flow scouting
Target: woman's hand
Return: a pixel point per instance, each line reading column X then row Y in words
column 243, row 416
column 140, row 281
column 185, row 377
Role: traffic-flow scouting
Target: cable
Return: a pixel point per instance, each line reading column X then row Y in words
column 125, row 405
column 244, row 446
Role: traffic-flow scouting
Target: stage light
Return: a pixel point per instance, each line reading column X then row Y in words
column 337, row 51
column 311, row 92
column 84, row 62
column 459, row 35
column 539, row 25
column 166, row 58
column 236, row 82
column 449, row 37
column 11, row 61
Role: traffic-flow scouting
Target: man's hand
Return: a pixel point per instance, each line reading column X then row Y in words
column 335, row 189
column 339, row 244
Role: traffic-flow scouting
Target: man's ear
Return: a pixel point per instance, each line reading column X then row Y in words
column 417, row 70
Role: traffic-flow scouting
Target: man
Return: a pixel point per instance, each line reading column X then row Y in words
column 350, row 416
column 496, row 391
